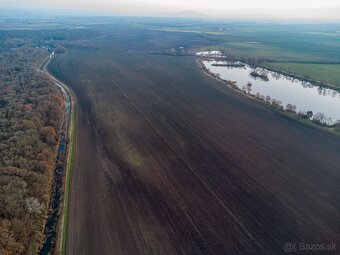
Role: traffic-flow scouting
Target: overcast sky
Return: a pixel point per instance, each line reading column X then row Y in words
column 192, row 4
column 273, row 8
column 225, row 4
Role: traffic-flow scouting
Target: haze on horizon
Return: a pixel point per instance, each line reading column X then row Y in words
column 266, row 9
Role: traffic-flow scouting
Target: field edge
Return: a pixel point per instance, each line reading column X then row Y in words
column 61, row 241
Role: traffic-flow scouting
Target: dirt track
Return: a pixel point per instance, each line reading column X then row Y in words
column 169, row 162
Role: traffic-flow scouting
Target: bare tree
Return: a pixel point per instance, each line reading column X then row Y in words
column 320, row 117
column 33, row 205
column 291, row 108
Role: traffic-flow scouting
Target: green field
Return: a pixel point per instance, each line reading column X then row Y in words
column 283, row 46
column 327, row 73
column 312, row 54
column 273, row 41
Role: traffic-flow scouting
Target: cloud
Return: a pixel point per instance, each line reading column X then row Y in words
column 191, row 4
column 245, row 9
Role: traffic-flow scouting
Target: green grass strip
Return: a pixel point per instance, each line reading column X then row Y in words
column 69, row 166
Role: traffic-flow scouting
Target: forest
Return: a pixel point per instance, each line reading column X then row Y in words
column 31, row 115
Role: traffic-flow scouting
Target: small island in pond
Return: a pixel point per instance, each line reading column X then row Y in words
column 261, row 75
column 230, row 64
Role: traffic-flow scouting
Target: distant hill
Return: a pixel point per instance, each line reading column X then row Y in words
column 185, row 14
column 313, row 15
column 24, row 13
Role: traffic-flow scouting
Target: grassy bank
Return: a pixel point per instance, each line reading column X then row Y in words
column 69, row 165
column 328, row 73
column 262, row 101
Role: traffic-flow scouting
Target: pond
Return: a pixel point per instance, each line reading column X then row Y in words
column 285, row 90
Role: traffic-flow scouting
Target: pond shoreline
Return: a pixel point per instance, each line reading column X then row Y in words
column 232, row 84
column 272, row 69
column 299, row 77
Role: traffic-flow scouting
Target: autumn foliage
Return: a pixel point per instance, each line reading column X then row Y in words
column 31, row 114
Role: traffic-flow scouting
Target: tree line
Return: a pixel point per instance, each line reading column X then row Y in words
column 31, row 114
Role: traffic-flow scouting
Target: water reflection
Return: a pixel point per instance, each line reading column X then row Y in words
column 287, row 92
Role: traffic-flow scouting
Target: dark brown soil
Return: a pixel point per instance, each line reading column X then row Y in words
column 168, row 161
